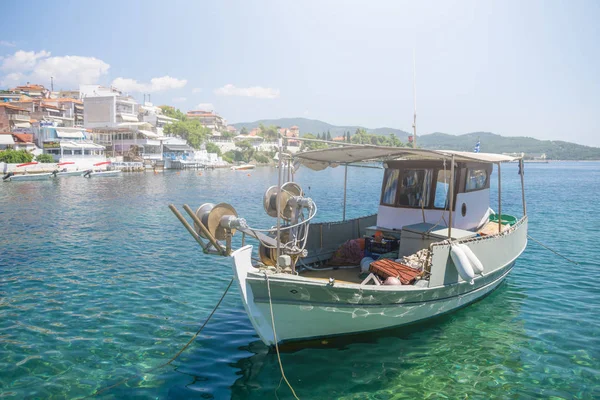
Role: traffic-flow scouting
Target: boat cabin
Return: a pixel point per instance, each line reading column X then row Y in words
column 417, row 191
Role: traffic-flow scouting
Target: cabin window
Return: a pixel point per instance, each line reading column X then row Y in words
column 415, row 188
column 390, row 187
column 442, row 189
column 476, row 179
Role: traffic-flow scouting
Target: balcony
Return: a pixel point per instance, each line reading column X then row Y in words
column 19, row 117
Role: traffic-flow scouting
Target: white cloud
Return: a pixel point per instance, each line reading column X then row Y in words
column 205, row 107
column 38, row 67
column 12, row 79
column 69, row 71
column 22, row 60
column 179, row 99
column 7, row 43
column 254, row 91
column 196, row 90
column 156, row 84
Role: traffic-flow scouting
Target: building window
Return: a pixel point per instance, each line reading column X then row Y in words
column 476, row 179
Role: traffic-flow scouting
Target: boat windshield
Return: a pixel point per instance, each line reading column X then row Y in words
column 415, row 188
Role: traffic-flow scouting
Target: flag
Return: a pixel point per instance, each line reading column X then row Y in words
column 476, row 149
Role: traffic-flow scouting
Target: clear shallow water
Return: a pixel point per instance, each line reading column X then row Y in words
column 98, row 281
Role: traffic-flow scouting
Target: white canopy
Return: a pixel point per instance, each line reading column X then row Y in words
column 321, row 159
column 6, row 139
column 134, row 123
column 22, row 125
column 128, row 118
column 81, row 145
column 149, row 134
column 69, row 134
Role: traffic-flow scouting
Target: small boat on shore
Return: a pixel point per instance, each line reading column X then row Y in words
column 65, row 172
column 90, row 173
column 434, row 246
column 12, row 177
column 243, row 167
column 98, row 173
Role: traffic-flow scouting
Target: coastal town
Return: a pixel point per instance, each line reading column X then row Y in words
column 98, row 125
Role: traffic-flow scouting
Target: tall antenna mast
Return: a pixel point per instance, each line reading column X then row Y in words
column 415, row 100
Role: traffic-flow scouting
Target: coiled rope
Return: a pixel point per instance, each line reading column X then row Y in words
column 275, row 339
column 175, row 356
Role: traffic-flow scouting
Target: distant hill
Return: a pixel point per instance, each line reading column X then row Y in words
column 493, row 143
column 315, row 126
column 490, row 142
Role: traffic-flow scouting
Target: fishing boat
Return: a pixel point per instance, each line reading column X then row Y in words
column 11, row 176
column 434, row 245
column 101, row 173
column 243, row 167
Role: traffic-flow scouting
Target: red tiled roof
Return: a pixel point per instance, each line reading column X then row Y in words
column 64, row 100
column 49, row 106
column 11, row 107
column 29, row 87
column 23, row 137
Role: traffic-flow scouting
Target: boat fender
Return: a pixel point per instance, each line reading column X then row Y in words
column 5, row 177
column 392, row 280
column 365, row 263
column 463, row 266
column 54, row 173
column 87, row 173
column 475, row 262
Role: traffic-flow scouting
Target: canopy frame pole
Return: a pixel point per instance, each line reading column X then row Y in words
column 499, row 199
column 522, row 173
column 451, row 202
column 345, row 187
column 279, row 178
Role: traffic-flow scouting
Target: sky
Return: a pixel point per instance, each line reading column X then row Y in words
column 515, row 68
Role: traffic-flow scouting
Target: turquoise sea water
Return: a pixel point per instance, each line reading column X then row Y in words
column 99, row 281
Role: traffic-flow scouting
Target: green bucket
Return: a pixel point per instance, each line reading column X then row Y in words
column 506, row 219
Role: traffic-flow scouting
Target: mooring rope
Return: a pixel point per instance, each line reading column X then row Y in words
column 554, row 251
column 172, row 358
column 275, row 339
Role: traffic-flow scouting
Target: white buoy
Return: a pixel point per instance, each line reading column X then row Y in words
column 475, row 262
column 365, row 263
column 463, row 266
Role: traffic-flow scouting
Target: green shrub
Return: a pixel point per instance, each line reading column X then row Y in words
column 45, row 158
column 11, row 156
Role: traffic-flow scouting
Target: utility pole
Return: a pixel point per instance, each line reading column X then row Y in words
column 52, row 84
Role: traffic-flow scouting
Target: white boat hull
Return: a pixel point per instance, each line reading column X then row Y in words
column 30, row 177
column 243, row 167
column 70, row 173
column 305, row 309
column 103, row 173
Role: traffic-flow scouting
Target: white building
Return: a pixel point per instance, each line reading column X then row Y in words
column 104, row 107
column 154, row 116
